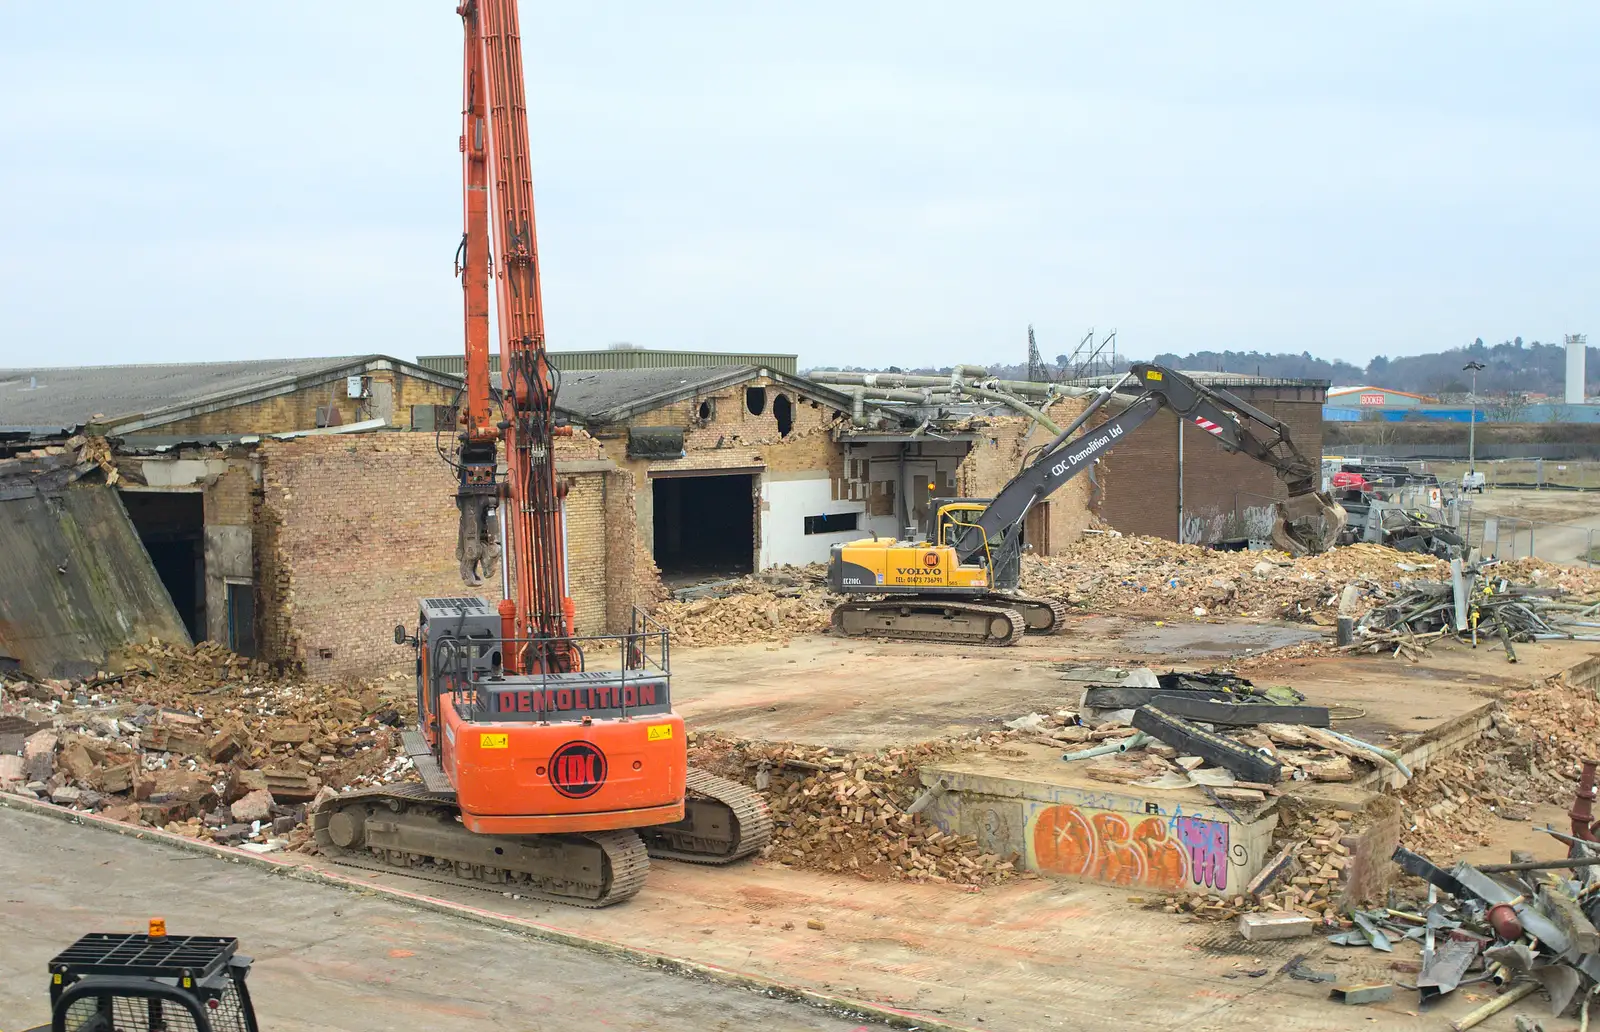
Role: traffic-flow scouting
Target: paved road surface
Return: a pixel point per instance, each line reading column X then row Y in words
column 329, row 960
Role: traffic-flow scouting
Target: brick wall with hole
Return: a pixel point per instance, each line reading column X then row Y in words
column 351, row 531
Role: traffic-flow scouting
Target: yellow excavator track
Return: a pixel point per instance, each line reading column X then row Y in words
column 930, row 618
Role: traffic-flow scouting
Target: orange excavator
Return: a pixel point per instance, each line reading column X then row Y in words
column 552, row 765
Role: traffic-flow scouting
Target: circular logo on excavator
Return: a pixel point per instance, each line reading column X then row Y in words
column 930, row 559
column 577, row 770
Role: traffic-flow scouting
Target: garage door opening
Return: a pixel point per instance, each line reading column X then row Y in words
column 704, row 526
column 171, row 524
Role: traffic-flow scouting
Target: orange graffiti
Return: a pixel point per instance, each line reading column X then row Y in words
column 1105, row 848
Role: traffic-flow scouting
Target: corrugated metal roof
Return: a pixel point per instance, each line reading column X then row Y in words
column 608, row 395
column 75, row 395
column 593, row 394
column 626, row 358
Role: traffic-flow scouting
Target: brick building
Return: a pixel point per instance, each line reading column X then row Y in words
column 1172, row 480
column 284, row 509
column 350, row 531
column 742, row 468
column 264, row 508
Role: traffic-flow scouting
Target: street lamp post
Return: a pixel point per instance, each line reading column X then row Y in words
column 1472, row 417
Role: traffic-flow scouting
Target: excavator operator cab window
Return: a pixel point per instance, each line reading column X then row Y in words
column 954, row 525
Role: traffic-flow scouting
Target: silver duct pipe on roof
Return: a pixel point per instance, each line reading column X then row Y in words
column 933, row 395
column 1024, row 388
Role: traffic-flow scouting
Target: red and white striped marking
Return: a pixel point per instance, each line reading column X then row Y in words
column 1207, row 425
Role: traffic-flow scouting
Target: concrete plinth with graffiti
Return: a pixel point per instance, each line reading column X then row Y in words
column 1062, row 822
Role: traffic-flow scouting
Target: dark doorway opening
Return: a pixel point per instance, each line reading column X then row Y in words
column 242, row 618
column 705, row 526
column 171, row 524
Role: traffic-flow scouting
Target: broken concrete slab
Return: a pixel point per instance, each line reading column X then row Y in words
column 290, row 734
column 66, row 795
column 291, row 786
column 39, row 767
column 77, row 762
column 1260, row 927
column 116, row 779
column 256, row 806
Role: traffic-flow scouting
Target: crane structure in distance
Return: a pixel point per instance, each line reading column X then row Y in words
column 961, row 585
column 552, row 764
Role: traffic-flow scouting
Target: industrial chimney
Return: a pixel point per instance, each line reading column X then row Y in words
column 1576, row 349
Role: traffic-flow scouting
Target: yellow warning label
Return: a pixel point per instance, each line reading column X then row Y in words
column 500, row 741
column 658, row 733
column 1152, row 374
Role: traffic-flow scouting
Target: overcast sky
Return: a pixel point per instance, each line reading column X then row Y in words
column 861, row 183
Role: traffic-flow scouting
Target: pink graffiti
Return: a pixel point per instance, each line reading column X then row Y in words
column 1207, row 842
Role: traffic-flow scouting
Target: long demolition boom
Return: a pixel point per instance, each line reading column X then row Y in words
column 1308, row 522
column 499, row 244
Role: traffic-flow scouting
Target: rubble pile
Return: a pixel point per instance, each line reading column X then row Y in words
column 1532, row 755
column 774, row 605
column 847, row 813
column 1314, row 854
column 200, row 742
column 1156, row 576
column 1137, row 575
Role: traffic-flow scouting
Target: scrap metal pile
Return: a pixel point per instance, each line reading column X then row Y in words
column 1529, row 921
column 200, row 742
column 1217, row 730
column 1476, row 603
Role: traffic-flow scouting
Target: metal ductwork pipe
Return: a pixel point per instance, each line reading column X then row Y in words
column 1024, row 388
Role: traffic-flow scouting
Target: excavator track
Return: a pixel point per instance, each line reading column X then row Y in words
column 408, row 830
column 914, row 618
column 723, row 821
column 1043, row 615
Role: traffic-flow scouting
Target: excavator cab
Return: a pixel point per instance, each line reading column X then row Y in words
column 109, row 982
column 1001, row 554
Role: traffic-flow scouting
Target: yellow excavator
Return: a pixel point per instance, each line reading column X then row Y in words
column 961, row 585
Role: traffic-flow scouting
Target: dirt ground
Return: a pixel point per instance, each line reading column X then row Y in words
column 848, row 694
column 1028, row 954
column 1034, row 954
column 1539, row 506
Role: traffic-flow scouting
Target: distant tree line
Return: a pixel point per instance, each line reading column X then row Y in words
column 1510, row 367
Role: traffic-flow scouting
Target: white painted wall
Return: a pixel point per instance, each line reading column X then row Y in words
column 785, row 506
column 181, row 472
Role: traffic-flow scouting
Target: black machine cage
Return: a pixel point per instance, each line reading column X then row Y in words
column 142, row 983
